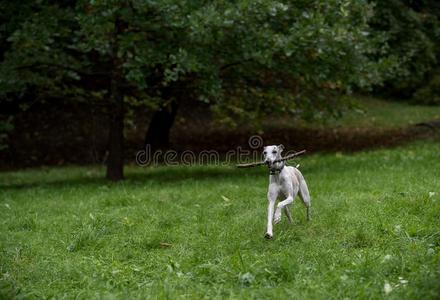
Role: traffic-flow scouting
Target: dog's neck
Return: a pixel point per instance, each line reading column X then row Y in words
column 277, row 170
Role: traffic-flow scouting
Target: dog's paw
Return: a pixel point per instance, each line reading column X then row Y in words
column 268, row 236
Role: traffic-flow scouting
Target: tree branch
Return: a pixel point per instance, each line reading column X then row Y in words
column 233, row 64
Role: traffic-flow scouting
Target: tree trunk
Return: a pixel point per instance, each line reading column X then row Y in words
column 115, row 160
column 158, row 133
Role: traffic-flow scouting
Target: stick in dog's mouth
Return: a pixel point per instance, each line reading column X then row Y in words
column 288, row 157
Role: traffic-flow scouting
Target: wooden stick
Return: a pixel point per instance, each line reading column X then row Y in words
column 290, row 156
column 163, row 244
column 250, row 165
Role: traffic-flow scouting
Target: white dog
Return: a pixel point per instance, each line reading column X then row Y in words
column 287, row 180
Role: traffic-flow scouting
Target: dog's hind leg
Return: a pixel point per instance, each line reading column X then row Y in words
column 288, row 214
column 309, row 213
column 305, row 197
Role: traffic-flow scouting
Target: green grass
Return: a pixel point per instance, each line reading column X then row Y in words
column 67, row 233
column 377, row 113
column 370, row 113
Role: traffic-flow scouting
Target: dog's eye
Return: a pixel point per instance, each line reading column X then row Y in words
column 264, row 152
column 274, row 152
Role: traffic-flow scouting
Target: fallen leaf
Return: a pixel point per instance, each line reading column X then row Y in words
column 387, row 288
column 226, row 198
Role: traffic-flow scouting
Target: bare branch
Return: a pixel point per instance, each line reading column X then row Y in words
column 288, row 157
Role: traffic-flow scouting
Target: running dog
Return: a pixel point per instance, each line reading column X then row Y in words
column 284, row 180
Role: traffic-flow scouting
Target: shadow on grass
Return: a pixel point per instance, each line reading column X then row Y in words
column 94, row 176
column 161, row 175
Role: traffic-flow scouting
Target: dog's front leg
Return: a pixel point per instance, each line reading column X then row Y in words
column 280, row 206
column 271, row 197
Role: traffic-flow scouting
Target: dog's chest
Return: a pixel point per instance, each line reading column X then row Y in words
column 283, row 184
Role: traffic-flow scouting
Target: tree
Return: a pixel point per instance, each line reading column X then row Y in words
column 412, row 31
column 245, row 58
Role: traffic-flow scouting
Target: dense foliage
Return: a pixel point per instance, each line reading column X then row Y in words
column 246, row 59
column 429, row 93
column 212, row 50
column 412, row 30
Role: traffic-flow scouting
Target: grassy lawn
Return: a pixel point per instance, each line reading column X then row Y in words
column 197, row 232
column 371, row 113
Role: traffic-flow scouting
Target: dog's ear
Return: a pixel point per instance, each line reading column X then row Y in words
column 281, row 147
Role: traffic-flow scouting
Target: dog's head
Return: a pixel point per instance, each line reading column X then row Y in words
column 272, row 153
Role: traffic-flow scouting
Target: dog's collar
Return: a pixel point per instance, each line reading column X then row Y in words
column 276, row 171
